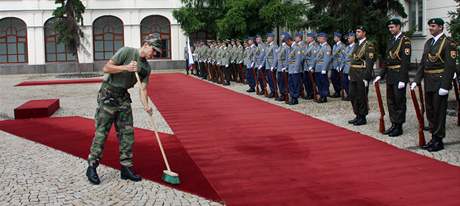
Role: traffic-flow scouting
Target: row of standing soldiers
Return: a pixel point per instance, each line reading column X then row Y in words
column 301, row 69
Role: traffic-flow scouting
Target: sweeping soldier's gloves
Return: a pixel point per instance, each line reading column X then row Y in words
column 413, row 85
column 377, row 79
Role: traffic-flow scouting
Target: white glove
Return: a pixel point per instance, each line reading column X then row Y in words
column 455, row 76
column 272, row 69
column 310, row 69
column 260, row 67
column 413, row 85
column 283, row 69
column 377, row 79
column 401, row 85
column 226, row 65
column 323, row 71
column 366, row 83
column 349, row 77
column 338, row 68
column 443, row 92
column 252, row 64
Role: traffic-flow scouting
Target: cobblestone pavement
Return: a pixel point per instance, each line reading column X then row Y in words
column 40, row 175
column 338, row 112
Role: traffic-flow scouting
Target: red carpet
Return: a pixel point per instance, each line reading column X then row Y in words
column 255, row 153
column 36, row 108
column 73, row 135
column 59, row 81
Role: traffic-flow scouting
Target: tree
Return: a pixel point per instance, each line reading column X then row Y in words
column 454, row 25
column 344, row 16
column 68, row 19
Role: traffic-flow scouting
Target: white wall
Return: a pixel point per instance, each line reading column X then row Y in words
column 35, row 13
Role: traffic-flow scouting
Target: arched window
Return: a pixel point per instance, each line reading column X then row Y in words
column 13, row 41
column 107, row 37
column 158, row 24
column 55, row 52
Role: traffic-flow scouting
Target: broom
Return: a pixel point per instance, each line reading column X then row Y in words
column 168, row 175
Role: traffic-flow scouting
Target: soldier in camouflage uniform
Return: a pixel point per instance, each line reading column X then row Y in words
column 114, row 105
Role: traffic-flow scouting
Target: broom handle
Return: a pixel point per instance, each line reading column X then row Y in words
column 381, row 109
column 152, row 124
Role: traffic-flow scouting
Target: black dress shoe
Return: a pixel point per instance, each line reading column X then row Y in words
column 227, row 83
column 389, row 130
column 280, row 98
column 426, row 146
column 127, row 173
column 336, row 95
column 397, row 131
column 251, row 90
column 91, row 173
column 436, row 146
column 309, row 97
column 293, row 102
column 271, row 95
column 353, row 120
column 361, row 121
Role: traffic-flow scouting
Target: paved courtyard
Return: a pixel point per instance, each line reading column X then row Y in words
column 39, row 175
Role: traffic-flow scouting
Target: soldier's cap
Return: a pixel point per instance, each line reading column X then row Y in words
column 270, row 34
column 251, row 38
column 437, row 21
column 362, row 28
column 311, row 34
column 394, row 21
column 258, row 36
column 153, row 40
column 338, row 34
column 322, row 34
column 286, row 36
column 351, row 34
column 299, row 34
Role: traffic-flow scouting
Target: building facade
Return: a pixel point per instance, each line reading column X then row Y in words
column 28, row 42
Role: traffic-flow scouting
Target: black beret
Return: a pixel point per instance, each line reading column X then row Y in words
column 362, row 28
column 437, row 21
column 394, row 21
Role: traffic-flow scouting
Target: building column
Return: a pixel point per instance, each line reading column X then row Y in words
column 85, row 53
column 35, row 45
column 132, row 35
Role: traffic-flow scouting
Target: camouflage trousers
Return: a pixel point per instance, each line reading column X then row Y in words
column 114, row 107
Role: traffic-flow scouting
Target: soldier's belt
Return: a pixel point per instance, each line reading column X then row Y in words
column 358, row 66
column 394, row 67
column 434, row 71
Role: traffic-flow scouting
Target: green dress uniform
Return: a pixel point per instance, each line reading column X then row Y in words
column 114, row 106
column 396, row 72
column 363, row 58
column 437, row 69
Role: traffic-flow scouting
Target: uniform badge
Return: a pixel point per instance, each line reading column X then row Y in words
column 407, row 51
column 453, row 54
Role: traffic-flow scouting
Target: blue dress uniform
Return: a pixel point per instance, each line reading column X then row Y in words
column 323, row 60
column 311, row 50
column 295, row 60
column 346, row 62
column 269, row 59
column 282, row 65
column 337, row 51
column 259, row 59
column 250, row 66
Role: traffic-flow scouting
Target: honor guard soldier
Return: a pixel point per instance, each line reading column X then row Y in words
column 361, row 73
column 346, row 64
column 239, row 61
column 311, row 50
column 260, row 64
column 437, row 69
column 396, row 74
column 322, row 64
column 295, row 59
column 337, row 51
column 282, row 65
column 249, row 61
column 270, row 57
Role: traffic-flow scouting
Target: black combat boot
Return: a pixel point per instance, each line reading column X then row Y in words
column 250, row 90
column 127, row 173
column 389, row 130
column 396, row 131
column 436, row 146
column 91, row 173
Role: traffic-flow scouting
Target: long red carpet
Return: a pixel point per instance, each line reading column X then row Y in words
column 59, row 81
column 255, row 153
column 73, row 135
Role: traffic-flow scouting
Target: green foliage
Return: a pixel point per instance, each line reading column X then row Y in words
column 454, row 25
column 68, row 18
